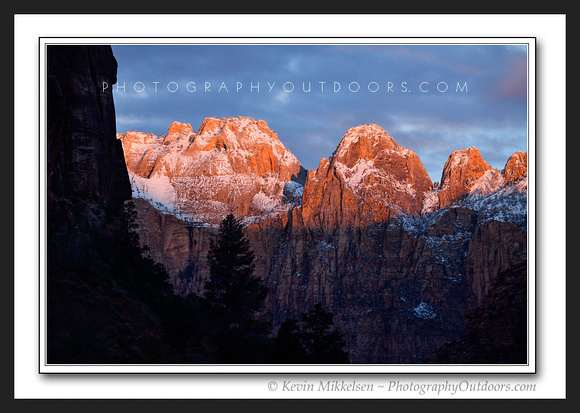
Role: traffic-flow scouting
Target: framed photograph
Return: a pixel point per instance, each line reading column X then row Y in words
column 223, row 206
column 304, row 205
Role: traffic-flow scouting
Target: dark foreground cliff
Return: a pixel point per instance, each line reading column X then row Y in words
column 94, row 313
column 87, row 180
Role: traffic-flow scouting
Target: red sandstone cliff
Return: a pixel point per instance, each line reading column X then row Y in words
column 462, row 169
column 516, row 167
column 369, row 179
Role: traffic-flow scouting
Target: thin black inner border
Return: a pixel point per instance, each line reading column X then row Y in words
column 42, row 64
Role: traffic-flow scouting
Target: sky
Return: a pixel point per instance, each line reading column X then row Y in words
column 431, row 98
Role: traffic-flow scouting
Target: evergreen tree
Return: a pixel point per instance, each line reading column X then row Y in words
column 233, row 289
column 133, row 267
column 322, row 342
column 288, row 348
column 312, row 340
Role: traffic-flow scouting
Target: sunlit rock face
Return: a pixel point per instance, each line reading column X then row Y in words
column 230, row 165
column 369, row 179
column 462, row 169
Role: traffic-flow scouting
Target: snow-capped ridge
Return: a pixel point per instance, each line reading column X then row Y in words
column 362, row 142
column 470, row 182
column 230, row 165
column 368, row 179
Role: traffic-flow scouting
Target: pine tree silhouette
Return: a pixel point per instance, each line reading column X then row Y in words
column 314, row 339
column 233, row 289
column 322, row 342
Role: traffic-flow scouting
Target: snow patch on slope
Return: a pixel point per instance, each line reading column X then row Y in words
column 157, row 190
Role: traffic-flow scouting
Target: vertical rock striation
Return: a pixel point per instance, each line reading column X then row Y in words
column 87, row 180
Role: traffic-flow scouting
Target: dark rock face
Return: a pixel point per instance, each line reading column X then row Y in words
column 90, row 319
column 494, row 247
column 399, row 289
column 87, row 179
column 496, row 332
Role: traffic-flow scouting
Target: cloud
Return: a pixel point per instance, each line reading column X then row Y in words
column 282, row 97
column 512, row 82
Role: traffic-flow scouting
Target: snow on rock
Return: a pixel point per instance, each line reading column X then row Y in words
column 425, row 311
column 489, row 182
column 157, row 190
column 516, row 167
column 468, row 181
column 430, row 202
column 238, row 165
column 293, row 191
column 460, row 173
column 230, row 165
column 367, row 180
column 509, row 203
